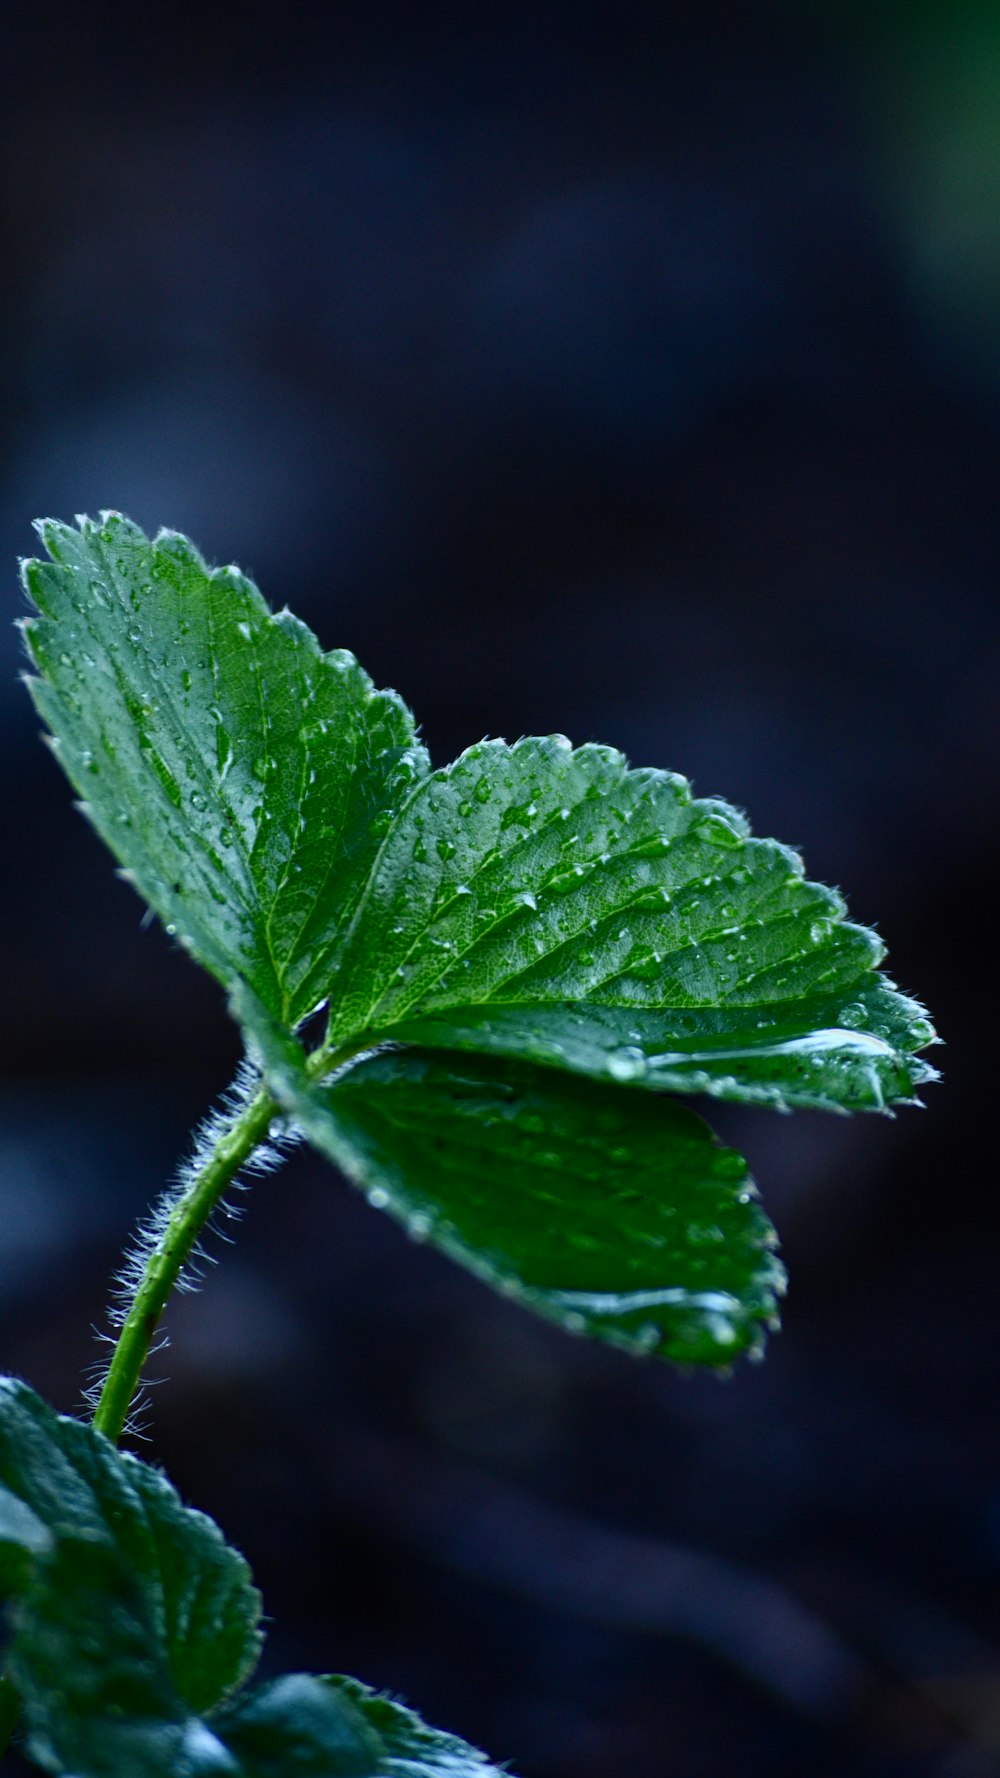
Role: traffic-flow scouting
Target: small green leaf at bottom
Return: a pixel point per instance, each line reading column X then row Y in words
column 62, row 1483
column 338, row 1728
column 99, row 1697
column 134, row 1623
column 99, row 1700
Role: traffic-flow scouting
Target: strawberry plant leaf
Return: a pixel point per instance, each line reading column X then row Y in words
column 100, row 1700
column 409, row 1749
column 501, row 930
column 324, row 1727
column 848, row 1051
column 614, row 1213
column 548, row 903
column 135, row 1625
column 98, row 1695
column 241, row 776
column 61, row 1481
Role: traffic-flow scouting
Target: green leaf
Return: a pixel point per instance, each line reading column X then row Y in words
column 100, row 1703
column 134, row 1625
column 298, row 1725
column 100, row 1700
column 541, row 902
column 241, row 776
column 62, row 1482
column 99, row 1697
column 812, row 1055
column 322, row 1728
column 408, row 1748
column 616, row 1214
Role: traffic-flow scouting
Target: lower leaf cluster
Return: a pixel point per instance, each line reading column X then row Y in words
column 135, row 1627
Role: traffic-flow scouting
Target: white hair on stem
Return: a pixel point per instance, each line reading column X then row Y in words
column 152, row 1228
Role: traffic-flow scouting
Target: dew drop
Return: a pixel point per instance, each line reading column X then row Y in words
column 626, row 1064
column 853, row 1016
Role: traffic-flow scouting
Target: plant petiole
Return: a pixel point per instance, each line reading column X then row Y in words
column 233, row 1147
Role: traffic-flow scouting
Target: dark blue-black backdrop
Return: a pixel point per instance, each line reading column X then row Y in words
column 633, row 373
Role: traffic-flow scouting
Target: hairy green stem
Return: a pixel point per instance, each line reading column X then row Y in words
column 232, row 1149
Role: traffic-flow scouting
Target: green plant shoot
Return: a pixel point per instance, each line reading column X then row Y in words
column 511, row 972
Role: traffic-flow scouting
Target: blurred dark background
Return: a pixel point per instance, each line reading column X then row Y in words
column 630, row 372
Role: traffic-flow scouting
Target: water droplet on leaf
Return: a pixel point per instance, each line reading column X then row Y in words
column 626, row 1064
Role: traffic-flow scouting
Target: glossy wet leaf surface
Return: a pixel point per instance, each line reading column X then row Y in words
column 528, row 918
column 530, row 901
column 550, row 903
column 618, row 1215
column 809, row 1055
column 240, row 774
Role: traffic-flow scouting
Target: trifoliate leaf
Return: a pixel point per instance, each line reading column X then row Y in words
column 616, row 1214
column 528, row 907
column 241, row 776
column 528, row 901
column 63, row 1483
